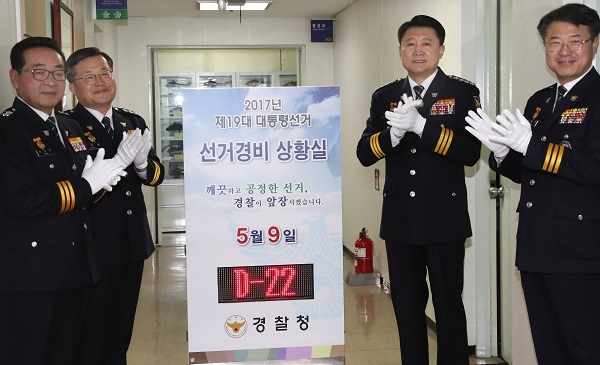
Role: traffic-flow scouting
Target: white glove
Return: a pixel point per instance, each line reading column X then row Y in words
column 100, row 172
column 406, row 117
column 114, row 180
column 141, row 158
column 129, row 147
column 514, row 132
column 480, row 126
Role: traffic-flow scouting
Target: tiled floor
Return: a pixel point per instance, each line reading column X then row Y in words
column 159, row 336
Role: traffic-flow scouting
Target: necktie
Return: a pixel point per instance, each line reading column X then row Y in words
column 561, row 94
column 418, row 92
column 107, row 126
column 52, row 125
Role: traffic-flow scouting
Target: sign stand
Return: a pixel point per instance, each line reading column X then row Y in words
column 264, row 228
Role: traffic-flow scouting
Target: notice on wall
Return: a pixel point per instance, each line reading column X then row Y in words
column 263, row 224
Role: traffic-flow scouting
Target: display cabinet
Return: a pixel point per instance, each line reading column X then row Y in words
column 214, row 80
column 253, row 79
column 286, row 79
column 170, row 115
column 169, row 129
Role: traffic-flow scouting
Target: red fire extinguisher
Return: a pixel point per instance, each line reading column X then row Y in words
column 363, row 253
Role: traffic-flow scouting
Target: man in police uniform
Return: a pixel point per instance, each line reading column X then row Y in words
column 553, row 149
column 121, row 224
column 424, row 221
column 47, row 258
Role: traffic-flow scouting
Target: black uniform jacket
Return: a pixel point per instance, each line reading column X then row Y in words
column 120, row 221
column 45, row 231
column 425, row 197
column 559, row 209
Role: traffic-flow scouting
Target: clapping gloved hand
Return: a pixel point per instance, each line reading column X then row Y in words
column 129, row 147
column 101, row 173
column 406, row 118
column 480, row 126
column 513, row 131
column 141, row 158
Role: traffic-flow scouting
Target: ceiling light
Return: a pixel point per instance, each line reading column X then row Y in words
column 234, row 5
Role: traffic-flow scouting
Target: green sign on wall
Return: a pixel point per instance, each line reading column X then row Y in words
column 111, row 9
column 106, row 14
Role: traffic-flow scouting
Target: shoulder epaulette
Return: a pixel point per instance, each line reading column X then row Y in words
column 461, row 79
column 544, row 91
column 8, row 112
column 126, row 111
column 388, row 84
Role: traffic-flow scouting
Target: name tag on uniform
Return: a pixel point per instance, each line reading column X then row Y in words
column 573, row 116
column 77, row 144
column 443, row 107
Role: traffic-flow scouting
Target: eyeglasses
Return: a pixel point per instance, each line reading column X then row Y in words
column 42, row 75
column 573, row 45
column 91, row 78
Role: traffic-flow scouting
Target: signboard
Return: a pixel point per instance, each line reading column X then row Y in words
column 264, row 224
column 321, row 31
column 110, row 9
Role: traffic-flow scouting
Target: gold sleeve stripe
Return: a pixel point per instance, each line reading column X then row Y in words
column 375, row 147
column 70, row 200
column 450, row 138
column 100, row 196
column 444, row 142
column 548, row 154
column 62, row 196
column 67, row 196
column 441, row 141
column 156, row 173
column 553, row 159
column 559, row 159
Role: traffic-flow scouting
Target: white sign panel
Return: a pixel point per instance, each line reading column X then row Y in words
column 263, row 224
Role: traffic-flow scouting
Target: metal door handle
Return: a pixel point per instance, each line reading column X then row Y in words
column 496, row 192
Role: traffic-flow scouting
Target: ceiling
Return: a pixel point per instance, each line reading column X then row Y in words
column 318, row 9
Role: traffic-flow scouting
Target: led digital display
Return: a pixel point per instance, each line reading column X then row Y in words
column 265, row 283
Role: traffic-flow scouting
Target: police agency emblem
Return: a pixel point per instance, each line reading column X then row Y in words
column 236, row 326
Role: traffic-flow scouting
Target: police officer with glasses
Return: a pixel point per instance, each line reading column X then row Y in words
column 553, row 150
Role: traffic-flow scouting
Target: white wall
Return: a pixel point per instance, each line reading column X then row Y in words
column 137, row 34
column 10, row 29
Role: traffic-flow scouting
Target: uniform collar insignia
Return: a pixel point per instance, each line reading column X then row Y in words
column 574, row 97
column 548, row 100
column 46, row 133
column 90, row 128
column 124, row 124
column 434, row 95
column 8, row 112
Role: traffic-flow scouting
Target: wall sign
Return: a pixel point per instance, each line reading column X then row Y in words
column 110, row 9
column 263, row 224
column 321, row 31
